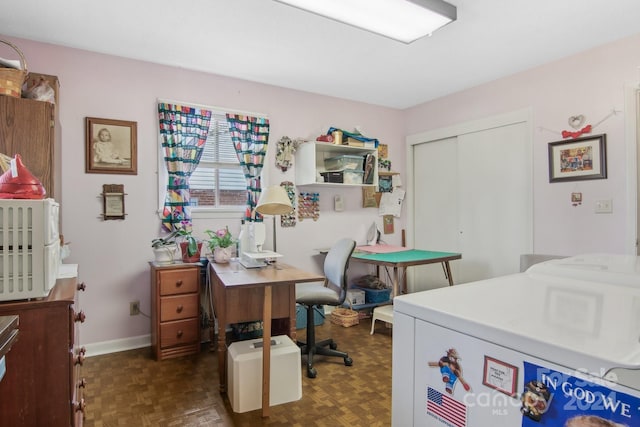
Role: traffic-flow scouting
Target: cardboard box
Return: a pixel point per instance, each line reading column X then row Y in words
column 355, row 297
column 244, row 370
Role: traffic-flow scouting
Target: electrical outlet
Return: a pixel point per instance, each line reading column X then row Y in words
column 134, row 308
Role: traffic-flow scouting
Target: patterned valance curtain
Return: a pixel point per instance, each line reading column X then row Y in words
column 183, row 133
column 250, row 136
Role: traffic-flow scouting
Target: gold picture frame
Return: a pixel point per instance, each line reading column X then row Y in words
column 111, row 146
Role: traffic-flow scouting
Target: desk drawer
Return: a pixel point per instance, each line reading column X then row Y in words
column 178, row 307
column 179, row 332
column 182, row 281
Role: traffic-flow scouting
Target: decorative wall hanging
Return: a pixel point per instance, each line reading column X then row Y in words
column 369, row 197
column 578, row 159
column 113, row 201
column 286, row 149
column 577, row 122
column 289, row 220
column 111, row 146
column 309, row 206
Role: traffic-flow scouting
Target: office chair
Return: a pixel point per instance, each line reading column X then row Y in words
column 332, row 291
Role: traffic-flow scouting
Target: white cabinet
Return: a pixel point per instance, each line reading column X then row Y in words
column 310, row 158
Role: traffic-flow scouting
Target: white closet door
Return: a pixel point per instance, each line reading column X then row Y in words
column 494, row 201
column 436, row 207
column 473, row 196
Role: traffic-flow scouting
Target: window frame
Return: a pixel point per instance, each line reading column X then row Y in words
column 197, row 212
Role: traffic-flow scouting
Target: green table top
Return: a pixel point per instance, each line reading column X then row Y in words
column 410, row 255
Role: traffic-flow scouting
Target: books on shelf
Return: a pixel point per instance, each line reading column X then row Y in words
column 352, row 142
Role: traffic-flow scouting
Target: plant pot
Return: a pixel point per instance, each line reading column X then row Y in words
column 185, row 256
column 165, row 254
column 222, row 255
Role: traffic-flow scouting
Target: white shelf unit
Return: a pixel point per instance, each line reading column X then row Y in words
column 310, row 162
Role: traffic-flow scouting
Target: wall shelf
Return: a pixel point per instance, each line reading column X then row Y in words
column 310, row 158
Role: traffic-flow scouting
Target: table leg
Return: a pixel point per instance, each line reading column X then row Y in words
column 396, row 282
column 447, row 272
column 266, row 351
column 222, row 356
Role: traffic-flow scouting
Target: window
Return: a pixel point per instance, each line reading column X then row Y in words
column 218, row 184
column 219, row 181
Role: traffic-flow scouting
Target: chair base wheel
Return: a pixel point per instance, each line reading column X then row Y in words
column 311, row 372
column 348, row 361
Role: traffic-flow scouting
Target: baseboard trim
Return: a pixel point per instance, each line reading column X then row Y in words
column 114, row 346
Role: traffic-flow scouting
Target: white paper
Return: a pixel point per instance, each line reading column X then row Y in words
column 396, row 181
column 391, row 203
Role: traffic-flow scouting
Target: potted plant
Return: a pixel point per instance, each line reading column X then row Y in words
column 221, row 244
column 165, row 247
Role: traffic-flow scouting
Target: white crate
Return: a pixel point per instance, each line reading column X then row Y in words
column 29, row 248
column 244, row 369
column 355, row 297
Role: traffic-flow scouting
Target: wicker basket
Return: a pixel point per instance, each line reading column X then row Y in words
column 344, row 317
column 11, row 80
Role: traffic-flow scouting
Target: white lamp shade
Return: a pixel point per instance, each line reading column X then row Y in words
column 274, row 201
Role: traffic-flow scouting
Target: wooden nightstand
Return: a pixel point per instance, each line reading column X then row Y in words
column 175, row 310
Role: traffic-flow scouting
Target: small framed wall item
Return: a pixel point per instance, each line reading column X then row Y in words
column 578, row 159
column 113, row 201
column 500, row 376
column 111, row 146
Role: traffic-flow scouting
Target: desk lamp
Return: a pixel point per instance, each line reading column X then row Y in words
column 274, row 201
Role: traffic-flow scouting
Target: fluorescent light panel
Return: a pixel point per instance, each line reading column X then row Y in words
column 402, row 20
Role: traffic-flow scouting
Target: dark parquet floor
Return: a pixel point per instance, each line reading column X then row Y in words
column 131, row 389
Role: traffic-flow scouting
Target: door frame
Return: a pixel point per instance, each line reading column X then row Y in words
column 518, row 116
column 632, row 143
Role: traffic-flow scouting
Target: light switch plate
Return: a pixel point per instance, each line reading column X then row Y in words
column 604, row 206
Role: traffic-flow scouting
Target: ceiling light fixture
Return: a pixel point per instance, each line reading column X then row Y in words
column 402, row 20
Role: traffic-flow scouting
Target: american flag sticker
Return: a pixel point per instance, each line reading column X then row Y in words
column 446, row 409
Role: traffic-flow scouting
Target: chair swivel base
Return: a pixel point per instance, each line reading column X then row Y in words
column 324, row 348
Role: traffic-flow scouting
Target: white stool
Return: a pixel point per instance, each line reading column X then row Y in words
column 384, row 313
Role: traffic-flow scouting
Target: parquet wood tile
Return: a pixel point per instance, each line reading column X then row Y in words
column 130, row 388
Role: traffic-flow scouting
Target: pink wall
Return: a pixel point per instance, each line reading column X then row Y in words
column 592, row 83
column 113, row 255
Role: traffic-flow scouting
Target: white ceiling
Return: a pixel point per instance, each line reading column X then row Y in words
column 268, row 42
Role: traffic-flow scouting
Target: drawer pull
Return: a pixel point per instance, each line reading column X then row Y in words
column 179, row 309
column 178, row 283
column 79, row 360
column 82, row 286
column 179, row 334
column 80, row 317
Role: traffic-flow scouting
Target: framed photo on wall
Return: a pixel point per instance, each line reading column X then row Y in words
column 578, row 159
column 111, row 146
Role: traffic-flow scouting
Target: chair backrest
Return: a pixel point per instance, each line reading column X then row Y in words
column 336, row 264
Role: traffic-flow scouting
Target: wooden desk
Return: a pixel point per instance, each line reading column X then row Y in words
column 248, row 294
column 404, row 259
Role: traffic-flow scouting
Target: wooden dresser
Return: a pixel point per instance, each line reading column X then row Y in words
column 175, row 310
column 43, row 385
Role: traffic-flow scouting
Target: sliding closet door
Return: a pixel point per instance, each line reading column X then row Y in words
column 473, row 196
column 495, row 201
column 436, row 228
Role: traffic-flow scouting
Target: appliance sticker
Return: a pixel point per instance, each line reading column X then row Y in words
column 557, row 399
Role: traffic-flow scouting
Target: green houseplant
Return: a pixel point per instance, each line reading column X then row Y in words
column 221, row 244
column 180, row 236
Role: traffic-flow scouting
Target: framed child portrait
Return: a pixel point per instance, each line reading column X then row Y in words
column 111, row 146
